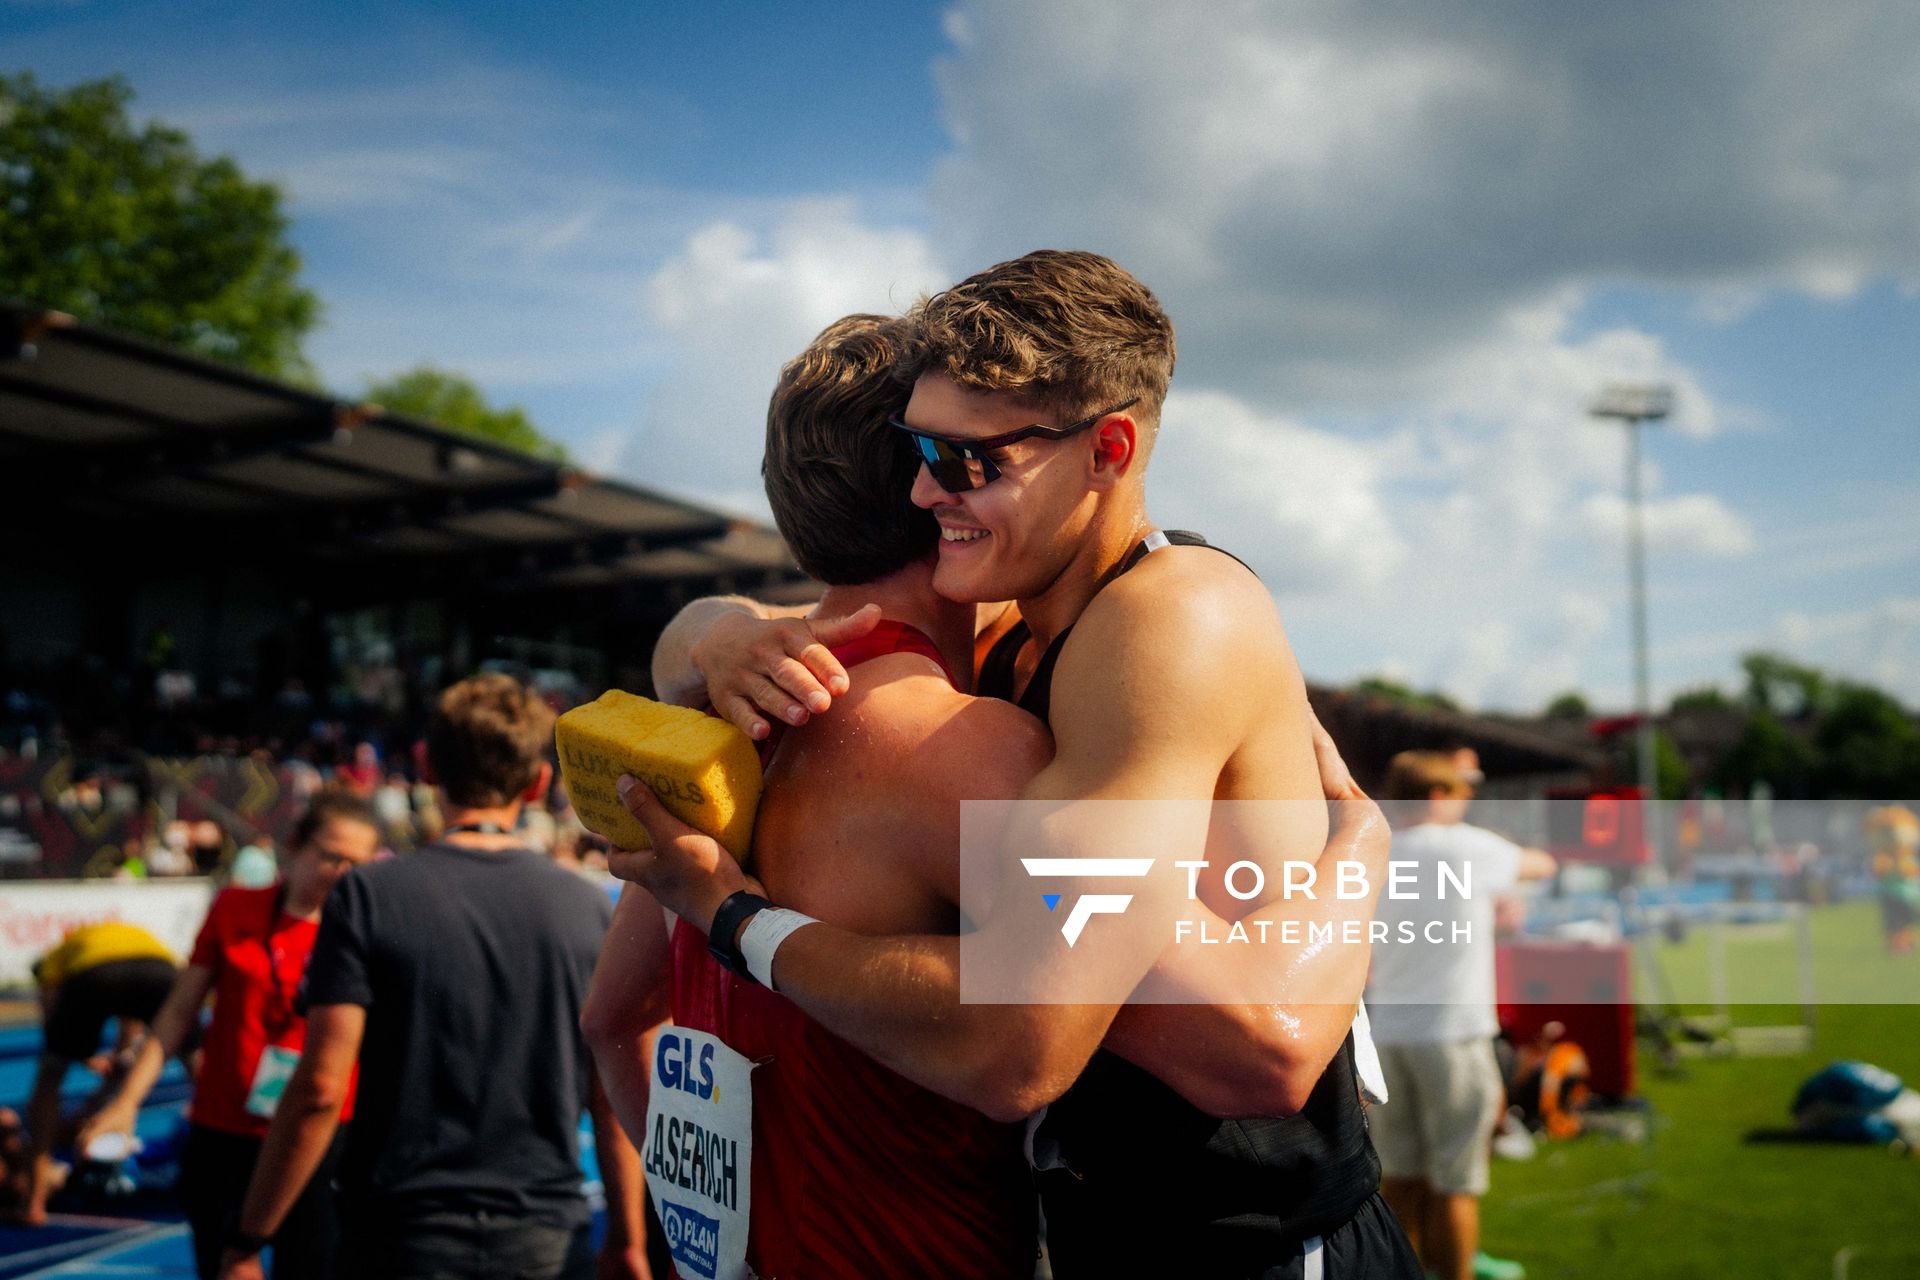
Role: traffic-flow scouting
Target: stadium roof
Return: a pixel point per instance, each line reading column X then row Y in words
column 1371, row 728
column 127, row 441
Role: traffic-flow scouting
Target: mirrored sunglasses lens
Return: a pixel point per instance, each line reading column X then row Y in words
column 951, row 468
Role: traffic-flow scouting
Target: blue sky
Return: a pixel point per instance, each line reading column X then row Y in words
column 1404, row 243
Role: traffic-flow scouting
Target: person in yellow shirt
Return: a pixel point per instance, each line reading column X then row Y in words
column 96, row 973
column 1893, row 834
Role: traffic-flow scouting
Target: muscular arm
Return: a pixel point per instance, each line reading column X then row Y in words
column 309, row 1113
column 1537, row 864
column 1263, row 1056
column 624, row 1251
column 676, row 678
column 740, row 656
column 1133, row 726
column 749, row 660
column 169, row 1032
column 626, row 1002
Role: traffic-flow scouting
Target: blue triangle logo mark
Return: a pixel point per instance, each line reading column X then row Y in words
column 1051, row 899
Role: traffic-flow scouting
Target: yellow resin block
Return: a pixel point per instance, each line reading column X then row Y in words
column 703, row 769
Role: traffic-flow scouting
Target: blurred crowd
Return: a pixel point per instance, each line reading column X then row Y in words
column 169, row 784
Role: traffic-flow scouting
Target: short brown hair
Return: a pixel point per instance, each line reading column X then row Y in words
column 838, row 477
column 1416, row 775
column 486, row 739
column 330, row 804
column 1067, row 329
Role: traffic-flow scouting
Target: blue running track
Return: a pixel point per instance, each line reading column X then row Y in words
column 145, row 1238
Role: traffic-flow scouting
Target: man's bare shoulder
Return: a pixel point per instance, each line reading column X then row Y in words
column 919, row 726
column 1183, row 598
column 1177, row 662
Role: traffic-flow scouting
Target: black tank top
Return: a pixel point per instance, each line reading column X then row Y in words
column 1152, row 1184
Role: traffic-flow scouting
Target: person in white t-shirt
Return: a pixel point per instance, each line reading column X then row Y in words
column 1431, row 995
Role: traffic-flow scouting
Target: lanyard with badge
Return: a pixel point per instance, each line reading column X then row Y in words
column 276, row 1061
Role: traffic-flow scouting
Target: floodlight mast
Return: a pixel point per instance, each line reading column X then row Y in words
column 1635, row 405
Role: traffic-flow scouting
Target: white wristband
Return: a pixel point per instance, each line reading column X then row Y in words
column 765, row 931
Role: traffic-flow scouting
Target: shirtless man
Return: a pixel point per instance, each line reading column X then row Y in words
column 854, row 1170
column 1167, row 680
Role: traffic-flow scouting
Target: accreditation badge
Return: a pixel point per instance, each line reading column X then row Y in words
column 270, row 1080
column 699, row 1151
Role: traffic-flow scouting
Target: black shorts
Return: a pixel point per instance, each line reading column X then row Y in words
column 1371, row 1245
column 116, row 989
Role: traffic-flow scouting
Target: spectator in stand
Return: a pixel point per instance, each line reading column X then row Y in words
column 97, row 973
column 254, row 866
column 393, row 804
column 427, row 819
column 209, row 845
column 1432, row 1002
column 168, row 856
column 361, row 774
column 537, row 830
column 568, row 833
column 303, row 776
column 251, row 957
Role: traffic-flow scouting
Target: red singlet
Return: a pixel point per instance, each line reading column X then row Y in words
column 858, row 1171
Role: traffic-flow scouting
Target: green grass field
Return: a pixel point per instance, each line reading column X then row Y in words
column 1694, row 1199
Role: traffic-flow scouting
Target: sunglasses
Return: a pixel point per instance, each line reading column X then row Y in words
column 958, row 465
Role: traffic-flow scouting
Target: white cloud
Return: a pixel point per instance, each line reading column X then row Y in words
column 1336, row 200
column 1879, row 642
column 1689, row 524
column 1379, row 228
column 735, row 304
column 1302, row 506
column 1888, row 535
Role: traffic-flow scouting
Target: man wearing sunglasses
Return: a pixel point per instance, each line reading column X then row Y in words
column 1167, row 680
column 852, row 1169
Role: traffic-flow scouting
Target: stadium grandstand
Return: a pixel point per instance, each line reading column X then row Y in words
column 204, row 562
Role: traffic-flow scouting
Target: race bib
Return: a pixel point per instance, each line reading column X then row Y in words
column 699, row 1151
column 270, row 1080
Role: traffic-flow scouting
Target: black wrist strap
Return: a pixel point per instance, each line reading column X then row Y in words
column 722, row 942
column 247, row 1245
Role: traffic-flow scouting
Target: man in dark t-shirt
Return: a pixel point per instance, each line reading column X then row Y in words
column 455, row 976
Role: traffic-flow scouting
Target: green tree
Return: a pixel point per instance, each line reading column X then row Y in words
column 1869, row 746
column 1571, row 705
column 1706, row 698
column 1670, row 770
column 1768, row 751
column 1782, row 686
column 1395, row 691
column 130, row 227
column 449, row 400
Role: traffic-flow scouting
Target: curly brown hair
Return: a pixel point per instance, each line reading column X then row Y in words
column 1066, row 329
column 838, row 477
column 486, row 739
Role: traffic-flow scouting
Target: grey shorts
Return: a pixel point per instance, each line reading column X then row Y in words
column 1438, row 1122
